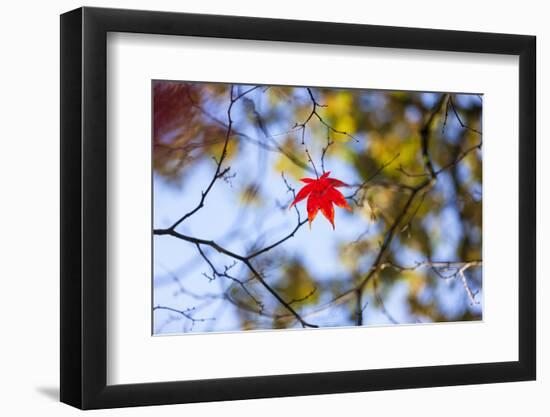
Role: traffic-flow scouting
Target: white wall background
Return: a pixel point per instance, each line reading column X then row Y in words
column 29, row 225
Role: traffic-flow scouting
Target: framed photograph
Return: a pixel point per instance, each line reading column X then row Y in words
column 257, row 208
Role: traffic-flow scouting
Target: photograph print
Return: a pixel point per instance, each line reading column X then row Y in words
column 301, row 207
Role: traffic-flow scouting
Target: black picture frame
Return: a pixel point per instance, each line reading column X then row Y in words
column 84, row 207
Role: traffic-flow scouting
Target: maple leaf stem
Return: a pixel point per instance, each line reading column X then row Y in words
column 312, row 163
column 325, row 149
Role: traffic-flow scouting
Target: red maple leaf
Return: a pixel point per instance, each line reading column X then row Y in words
column 322, row 194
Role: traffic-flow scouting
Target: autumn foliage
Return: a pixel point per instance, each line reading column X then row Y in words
column 240, row 169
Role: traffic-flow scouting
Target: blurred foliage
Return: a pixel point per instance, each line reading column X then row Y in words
column 382, row 126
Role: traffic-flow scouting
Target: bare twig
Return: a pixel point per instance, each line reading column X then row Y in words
column 304, row 298
column 244, row 259
column 359, row 309
column 425, row 135
column 325, row 149
column 311, row 162
column 423, row 187
column 410, row 174
column 218, row 173
column 380, row 301
column 467, row 288
column 185, row 313
column 277, row 296
column 460, row 157
column 274, row 147
column 453, row 268
column 351, row 294
column 451, row 102
column 366, row 183
column 225, row 274
column 315, row 105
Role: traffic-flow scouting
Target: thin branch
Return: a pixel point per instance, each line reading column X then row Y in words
column 225, row 274
column 291, row 190
column 277, row 296
column 314, row 112
column 182, row 290
column 304, row 298
column 244, row 259
column 243, row 93
column 191, row 239
column 462, row 155
column 461, row 273
column 442, row 265
column 275, row 147
column 311, row 162
column 218, row 173
column 425, row 135
column 185, row 313
column 278, row 242
column 351, row 294
column 325, row 149
column 425, row 185
column 359, row 309
column 415, row 212
column 380, row 301
column 366, row 183
column 456, row 269
column 411, row 175
column 453, row 108
column 390, row 234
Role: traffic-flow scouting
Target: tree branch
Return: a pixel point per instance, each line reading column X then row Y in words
column 185, row 313
column 218, row 173
column 366, row 183
column 275, row 148
column 422, row 187
column 453, row 108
